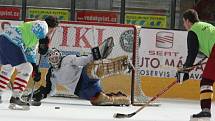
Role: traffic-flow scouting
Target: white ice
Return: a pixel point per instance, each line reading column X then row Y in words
column 72, row 109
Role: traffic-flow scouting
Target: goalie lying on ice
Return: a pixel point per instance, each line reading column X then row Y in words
column 71, row 71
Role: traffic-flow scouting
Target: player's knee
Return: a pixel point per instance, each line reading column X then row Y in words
column 25, row 68
column 7, row 70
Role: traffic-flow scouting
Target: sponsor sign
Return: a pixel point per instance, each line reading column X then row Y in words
column 10, row 13
column 80, row 38
column 152, row 21
column 97, row 16
column 164, row 39
column 4, row 24
column 42, row 13
column 162, row 51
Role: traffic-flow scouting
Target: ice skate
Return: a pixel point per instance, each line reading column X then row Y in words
column 0, row 100
column 204, row 115
column 33, row 102
column 18, row 104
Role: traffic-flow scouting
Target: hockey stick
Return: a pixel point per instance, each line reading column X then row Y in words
column 32, row 90
column 193, row 66
column 197, row 64
column 120, row 115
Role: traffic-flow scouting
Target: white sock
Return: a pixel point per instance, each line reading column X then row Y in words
column 16, row 94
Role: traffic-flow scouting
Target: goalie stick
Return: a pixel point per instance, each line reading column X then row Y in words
column 121, row 115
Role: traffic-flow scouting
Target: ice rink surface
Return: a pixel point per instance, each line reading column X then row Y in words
column 81, row 110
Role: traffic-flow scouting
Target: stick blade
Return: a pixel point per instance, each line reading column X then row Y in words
column 120, row 115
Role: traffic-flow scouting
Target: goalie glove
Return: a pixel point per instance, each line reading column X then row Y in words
column 106, row 47
column 107, row 67
column 182, row 75
column 40, row 93
column 104, row 50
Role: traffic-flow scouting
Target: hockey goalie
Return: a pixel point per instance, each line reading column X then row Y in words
column 81, row 75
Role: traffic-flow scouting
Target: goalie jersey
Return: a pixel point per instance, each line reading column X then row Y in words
column 68, row 73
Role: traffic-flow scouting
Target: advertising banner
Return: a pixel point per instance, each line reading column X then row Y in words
column 10, row 13
column 97, row 16
column 80, row 38
column 7, row 23
column 42, row 13
column 162, row 51
column 152, row 21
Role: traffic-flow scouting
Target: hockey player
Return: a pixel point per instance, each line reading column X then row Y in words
column 18, row 51
column 70, row 71
column 200, row 38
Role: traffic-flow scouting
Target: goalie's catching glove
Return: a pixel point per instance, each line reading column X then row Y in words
column 104, row 50
column 182, row 75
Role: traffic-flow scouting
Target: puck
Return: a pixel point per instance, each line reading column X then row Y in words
column 57, row 107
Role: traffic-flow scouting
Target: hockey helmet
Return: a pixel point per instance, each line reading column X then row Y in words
column 54, row 57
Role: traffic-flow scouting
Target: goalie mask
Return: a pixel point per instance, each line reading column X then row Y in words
column 54, row 57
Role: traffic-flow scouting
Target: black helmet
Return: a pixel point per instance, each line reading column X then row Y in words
column 52, row 21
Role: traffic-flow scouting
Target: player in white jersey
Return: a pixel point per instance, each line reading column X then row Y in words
column 18, row 51
column 70, row 71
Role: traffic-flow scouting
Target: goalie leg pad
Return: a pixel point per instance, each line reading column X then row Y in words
column 104, row 100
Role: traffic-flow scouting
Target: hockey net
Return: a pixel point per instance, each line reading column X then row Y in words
column 79, row 37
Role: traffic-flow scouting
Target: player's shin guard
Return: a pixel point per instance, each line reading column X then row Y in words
column 5, row 75
column 23, row 74
column 206, row 96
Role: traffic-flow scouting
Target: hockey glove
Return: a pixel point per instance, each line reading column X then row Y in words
column 36, row 73
column 182, row 76
column 104, row 50
column 43, row 46
column 40, row 94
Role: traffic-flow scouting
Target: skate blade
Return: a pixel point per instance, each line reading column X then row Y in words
column 35, row 103
column 200, row 119
column 17, row 107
